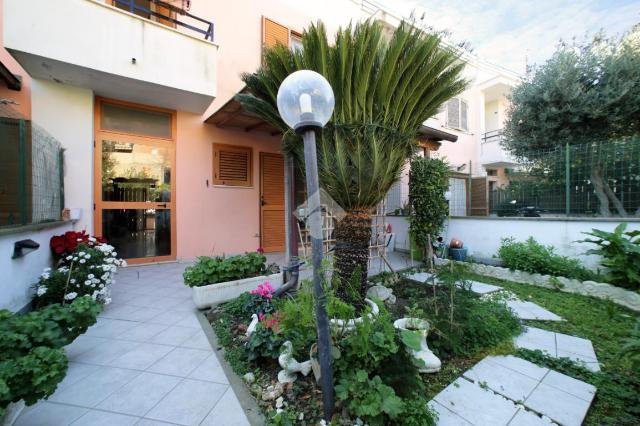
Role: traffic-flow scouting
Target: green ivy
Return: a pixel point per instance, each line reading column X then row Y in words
column 428, row 181
column 212, row 270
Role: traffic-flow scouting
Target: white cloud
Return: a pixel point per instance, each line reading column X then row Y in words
column 506, row 31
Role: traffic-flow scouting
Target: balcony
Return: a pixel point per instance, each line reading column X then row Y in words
column 116, row 53
column 492, row 153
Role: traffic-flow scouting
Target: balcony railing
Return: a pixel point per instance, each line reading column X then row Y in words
column 131, row 6
column 492, row 136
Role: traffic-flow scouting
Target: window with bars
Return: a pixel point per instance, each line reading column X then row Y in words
column 458, row 114
column 232, row 165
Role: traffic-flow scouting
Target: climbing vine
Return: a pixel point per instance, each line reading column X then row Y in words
column 428, row 181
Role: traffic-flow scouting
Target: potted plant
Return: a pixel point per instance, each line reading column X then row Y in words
column 219, row 279
column 414, row 335
column 346, row 325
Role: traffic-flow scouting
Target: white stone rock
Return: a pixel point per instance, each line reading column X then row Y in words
column 249, row 378
column 380, row 292
column 272, row 392
column 279, row 402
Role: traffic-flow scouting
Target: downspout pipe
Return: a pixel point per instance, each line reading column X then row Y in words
column 290, row 229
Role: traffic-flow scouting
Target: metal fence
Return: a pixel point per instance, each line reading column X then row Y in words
column 31, row 174
column 600, row 180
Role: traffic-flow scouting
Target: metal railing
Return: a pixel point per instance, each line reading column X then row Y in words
column 492, row 136
column 131, row 6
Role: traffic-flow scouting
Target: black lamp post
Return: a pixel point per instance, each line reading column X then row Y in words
column 305, row 103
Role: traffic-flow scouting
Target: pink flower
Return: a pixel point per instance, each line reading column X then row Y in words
column 261, row 317
column 264, row 290
column 260, row 250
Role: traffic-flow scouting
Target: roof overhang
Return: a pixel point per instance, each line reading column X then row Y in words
column 232, row 115
column 12, row 81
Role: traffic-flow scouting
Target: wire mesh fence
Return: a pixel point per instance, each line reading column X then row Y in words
column 31, row 179
column 584, row 180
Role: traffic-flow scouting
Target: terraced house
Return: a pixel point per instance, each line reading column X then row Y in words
column 121, row 113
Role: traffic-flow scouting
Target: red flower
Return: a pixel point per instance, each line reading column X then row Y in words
column 260, row 250
column 57, row 244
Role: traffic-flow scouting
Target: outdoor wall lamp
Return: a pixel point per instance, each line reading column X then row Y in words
column 23, row 247
column 305, row 102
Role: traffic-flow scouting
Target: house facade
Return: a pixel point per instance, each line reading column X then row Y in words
column 158, row 157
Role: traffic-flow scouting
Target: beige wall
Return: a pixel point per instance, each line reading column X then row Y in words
column 22, row 97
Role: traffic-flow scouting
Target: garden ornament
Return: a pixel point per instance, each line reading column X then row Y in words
column 431, row 362
column 290, row 366
column 252, row 325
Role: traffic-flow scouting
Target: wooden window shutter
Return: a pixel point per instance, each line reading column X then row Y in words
column 232, row 165
column 274, row 33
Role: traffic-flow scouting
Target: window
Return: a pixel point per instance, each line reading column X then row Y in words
column 127, row 119
column 492, row 172
column 274, row 34
column 296, row 42
column 457, row 114
column 232, row 165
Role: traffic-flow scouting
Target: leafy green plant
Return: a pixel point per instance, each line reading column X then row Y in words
column 631, row 347
column 428, row 181
column 266, row 340
column 417, row 413
column 531, row 256
column 32, row 361
column 212, row 270
column 620, row 253
column 368, row 398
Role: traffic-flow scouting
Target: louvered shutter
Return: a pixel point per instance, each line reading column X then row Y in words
column 232, row 165
column 274, row 33
column 464, row 108
column 453, row 113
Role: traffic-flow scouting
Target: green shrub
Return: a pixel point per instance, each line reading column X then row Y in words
column 620, row 253
column 531, row 256
column 212, row 270
column 266, row 340
column 32, row 360
column 631, row 347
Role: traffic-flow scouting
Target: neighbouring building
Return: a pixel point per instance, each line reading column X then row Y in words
column 158, row 157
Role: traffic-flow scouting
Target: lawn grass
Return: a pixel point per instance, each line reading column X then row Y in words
column 605, row 323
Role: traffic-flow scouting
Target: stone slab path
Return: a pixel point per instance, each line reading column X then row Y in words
column 559, row 345
column 146, row 362
column 530, row 311
column 506, row 390
column 476, row 286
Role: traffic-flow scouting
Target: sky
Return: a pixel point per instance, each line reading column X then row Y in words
column 511, row 33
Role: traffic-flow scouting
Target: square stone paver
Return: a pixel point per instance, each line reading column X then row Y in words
column 140, row 395
column 558, row 405
column 527, row 418
column 447, row 417
column 483, row 288
column 227, row 412
column 537, row 339
column 420, row 277
column 530, row 311
column 102, row 418
column 577, row 388
column 94, row 388
column 476, row 405
column 48, row 414
column 180, row 362
column 519, row 365
column 503, row 380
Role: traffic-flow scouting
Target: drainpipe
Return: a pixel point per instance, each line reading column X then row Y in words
column 290, row 229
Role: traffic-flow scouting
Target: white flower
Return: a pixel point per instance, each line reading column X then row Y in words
column 81, row 253
column 93, row 240
column 75, row 257
column 114, row 254
column 69, row 257
column 71, row 296
column 107, row 300
column 82, row 261
column 90, row 276
column 41, row 290
column 123, row 263
column 45, row 275
column 47, row 269
column 88, row 256
column 87, row 282
column 72, row 280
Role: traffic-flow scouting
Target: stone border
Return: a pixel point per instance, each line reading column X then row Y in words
column 627, row 298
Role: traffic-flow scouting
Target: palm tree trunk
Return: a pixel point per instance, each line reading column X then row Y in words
column 351, row 256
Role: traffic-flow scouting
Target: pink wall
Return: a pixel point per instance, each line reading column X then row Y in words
column 215, row 219
column 23, row 97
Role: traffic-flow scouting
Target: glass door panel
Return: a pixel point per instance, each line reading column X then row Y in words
column 138, row 233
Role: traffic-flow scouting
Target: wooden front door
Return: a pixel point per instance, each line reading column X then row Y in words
column 135, row 181
column 272, row 235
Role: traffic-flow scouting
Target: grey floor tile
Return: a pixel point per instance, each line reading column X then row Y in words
column 76, row 372
column 180, row 362
column 189, row 321
column 588, row 362
column 82, row 344
column 210, row 370
column 143, row 332
column 558, row 405
column 464, row 398
column 140, row 395
column 447, row 417
column 503, row 380
column 102, row 418
column 198, row 341
column 174, row 335
column 169, row 317
column 49, row 414
column 227, row 412
column 483, row 288
column 188, row 403
column 110, row 328
column 106, row 352
column 526, row 418
column 94, row 388
column 141, row 357
column 576, row 345
column 149, row 422
column 537, row 339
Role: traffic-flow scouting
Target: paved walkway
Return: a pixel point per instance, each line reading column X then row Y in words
column 146, row 362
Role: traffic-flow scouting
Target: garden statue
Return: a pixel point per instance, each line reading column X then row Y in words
column 431, row 362
column 252, row 325
column 290, row 366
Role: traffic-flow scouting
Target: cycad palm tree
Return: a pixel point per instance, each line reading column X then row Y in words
column 385, row 88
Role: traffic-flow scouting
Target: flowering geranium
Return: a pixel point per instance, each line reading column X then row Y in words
column 88, row 270
column 67, row 242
